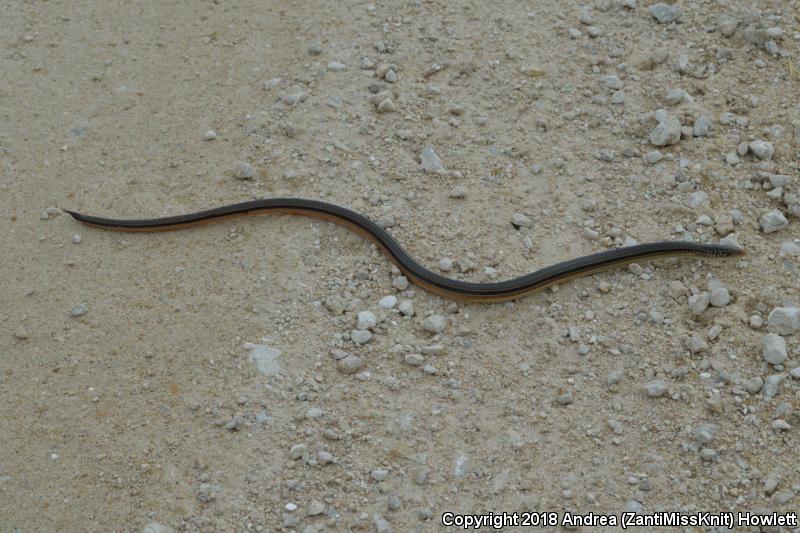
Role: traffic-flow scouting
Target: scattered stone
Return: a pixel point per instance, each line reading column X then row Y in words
column 518, row 220
column 244, row 171
column 388, row 302
column 349, row 364
column 762, row 149
column 76, row 239
column 753, row 385
column 665, row 13
column 297, row 451
column 314, row 49
column 414, row 359
column 771, row 386
column 709, row 454
column 612, row 82
column 677, row 96
column 430, row 161
column 698, row 303
column 720, row 297
column 387, row 106
column 773, row 221
column 366, row 320
column 781, row 425
column 315, row 508
column 336, row 66
column 78, row 310
column 697, row 199
column 210, row 135
column 727, row 25
column 457, row 192
column 406, row 308
column 656, row 388
column 704, row 433
column 565, row 398
column 594, row 31
column 434, row 324
column 155, row 527
column 400, row 283
column 702, row 126
column 361, row 336
column 20, row 333
column 784, row 320
column 668, row 130
column 234, row 423
column 773, row 349
column 265, row 358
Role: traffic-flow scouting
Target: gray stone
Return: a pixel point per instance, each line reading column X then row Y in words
column 698, row 303
column 519, row 220
column 656, row 388
column 762, row 149
column 720, row 297
column 244, row 171
column 78, row 310
column 668, row 130
column 773, row 349
column 702, row 126
column 297, row 451
column 430, row 161
column 366, row 320
column 784, row 320
column 773, row 221
column 754, row 385
column 265, row 358
column 350, row 364
column 361, row 336
column 155, row 527
column 677, row 96
column 771, row 385
column 665, row 13
column 434, row 324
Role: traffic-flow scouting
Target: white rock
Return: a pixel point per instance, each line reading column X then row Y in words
column 773, row 349
column 349, row 364
column 210, row 135
column 701, row 127
column 676, row 96
column 697, row 199
column 336, row 66
column 656, row 388
column 407, row 308
column 773, row 221
column 784, row 320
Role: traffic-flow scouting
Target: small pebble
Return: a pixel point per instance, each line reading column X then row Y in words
column 519, row 220
column 336, row 66
column 720, row 297
column 414, row 359
column 668, row 130
column 210, row 135
column 297, row 451
column 78, row 310
column 20, row 333
column 244, row 171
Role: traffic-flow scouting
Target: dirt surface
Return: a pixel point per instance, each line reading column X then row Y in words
column 129, row 394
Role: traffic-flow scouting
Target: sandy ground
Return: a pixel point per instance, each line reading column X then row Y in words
column 149, row 409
